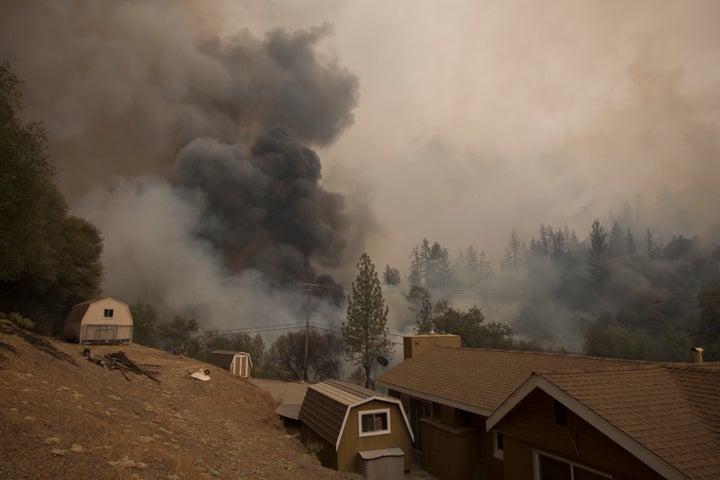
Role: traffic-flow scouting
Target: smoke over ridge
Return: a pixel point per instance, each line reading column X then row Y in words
column 191, row 152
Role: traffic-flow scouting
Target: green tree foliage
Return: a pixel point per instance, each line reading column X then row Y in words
column 179, row 335
column 286, row 357
column 49, row 260
column 391, row 276
column 430, row 266
column 365, row 331
column 471, row 327
column 236, row 342
column 513, row 254
column 145, row 324
column 421, row 306
column 598, row 255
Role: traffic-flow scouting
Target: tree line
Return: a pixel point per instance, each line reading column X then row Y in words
column 626, row 293
column 49, row 259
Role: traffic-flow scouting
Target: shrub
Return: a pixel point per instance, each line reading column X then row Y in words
column 20, row 321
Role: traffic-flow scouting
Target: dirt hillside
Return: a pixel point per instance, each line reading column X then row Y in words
column 65, row 417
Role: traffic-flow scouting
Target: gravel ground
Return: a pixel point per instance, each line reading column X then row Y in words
column 64, row 417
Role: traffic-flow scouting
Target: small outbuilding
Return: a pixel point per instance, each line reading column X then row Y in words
column 101, row 320
column 351, row 428
column 239, row 363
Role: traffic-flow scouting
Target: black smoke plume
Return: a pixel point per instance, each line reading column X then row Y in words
column 191, row 150
column 265, row 210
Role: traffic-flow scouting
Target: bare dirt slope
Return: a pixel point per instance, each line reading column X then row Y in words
column 62, row 416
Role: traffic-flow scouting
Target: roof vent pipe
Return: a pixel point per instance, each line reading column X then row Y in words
column 697, row 354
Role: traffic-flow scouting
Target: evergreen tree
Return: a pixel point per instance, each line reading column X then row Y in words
column 438, row 272
column 651, row 247
column 630, row 247
column 365, row 331
column 424, row 314
column 597, row 256
column 391, row 276
column 618, row 242
column 49, row 260
column 417, row 268
column 513, row 254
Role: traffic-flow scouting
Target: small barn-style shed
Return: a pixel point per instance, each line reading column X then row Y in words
column 101, row 320
column 352, row 423
column 239, row 363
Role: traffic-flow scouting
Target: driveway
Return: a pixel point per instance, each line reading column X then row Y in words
column 288, row 395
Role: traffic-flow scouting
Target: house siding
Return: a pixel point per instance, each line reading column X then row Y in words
column 532, row 426
column 351, row 442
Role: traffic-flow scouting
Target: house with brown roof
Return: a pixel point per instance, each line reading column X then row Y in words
column 494, row 414
column 352, row 427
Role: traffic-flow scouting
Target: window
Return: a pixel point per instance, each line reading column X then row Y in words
column 374, row 422
column 108, row 313
column 553, row 468
column 498, row 446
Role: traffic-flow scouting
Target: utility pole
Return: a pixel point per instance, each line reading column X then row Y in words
column 308, row 290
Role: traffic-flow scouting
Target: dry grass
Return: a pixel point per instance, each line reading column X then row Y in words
column 62, row 416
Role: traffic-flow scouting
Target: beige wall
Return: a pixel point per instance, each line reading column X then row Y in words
column 82, row 328
column 532, row 425
column 414, row 345
column 346, row 457
column 352, row 443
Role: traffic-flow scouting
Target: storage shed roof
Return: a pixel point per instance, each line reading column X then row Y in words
column 327, row 406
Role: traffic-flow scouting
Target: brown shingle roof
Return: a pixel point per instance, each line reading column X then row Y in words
column 667, row 414
column 326, row 406
column 479, row 380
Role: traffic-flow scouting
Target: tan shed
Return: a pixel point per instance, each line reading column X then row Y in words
column 239, row 363
column 102, row 320
column 352, row 426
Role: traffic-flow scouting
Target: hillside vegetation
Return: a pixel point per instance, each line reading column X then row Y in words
column 62, row 416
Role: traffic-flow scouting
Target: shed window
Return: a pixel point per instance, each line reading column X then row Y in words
column 374, row 422
column 553, row 468
column 108, row 313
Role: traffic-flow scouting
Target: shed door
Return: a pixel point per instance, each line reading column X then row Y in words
column 240, row 366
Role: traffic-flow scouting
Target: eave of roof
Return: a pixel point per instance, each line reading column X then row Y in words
column 634, row 447
column 479, row 380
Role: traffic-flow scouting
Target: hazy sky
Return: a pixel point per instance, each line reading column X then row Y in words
column 455, row 120
column 479, row 116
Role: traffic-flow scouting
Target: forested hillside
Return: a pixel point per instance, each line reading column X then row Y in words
column 621, row 292
column 49, row 259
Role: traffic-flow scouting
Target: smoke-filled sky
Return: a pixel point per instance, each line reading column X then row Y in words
column 217, row 137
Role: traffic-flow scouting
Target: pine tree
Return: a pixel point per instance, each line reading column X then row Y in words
column 513, row 253
column 424, row 315
column 391, row 276
column 597, row 259
column 365, row 331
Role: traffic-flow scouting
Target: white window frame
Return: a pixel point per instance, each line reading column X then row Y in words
column 536, row 465
column 498, row 452
column 385, row 411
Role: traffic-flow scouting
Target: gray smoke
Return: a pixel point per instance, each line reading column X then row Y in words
column 265, row 210
column 191, row 150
